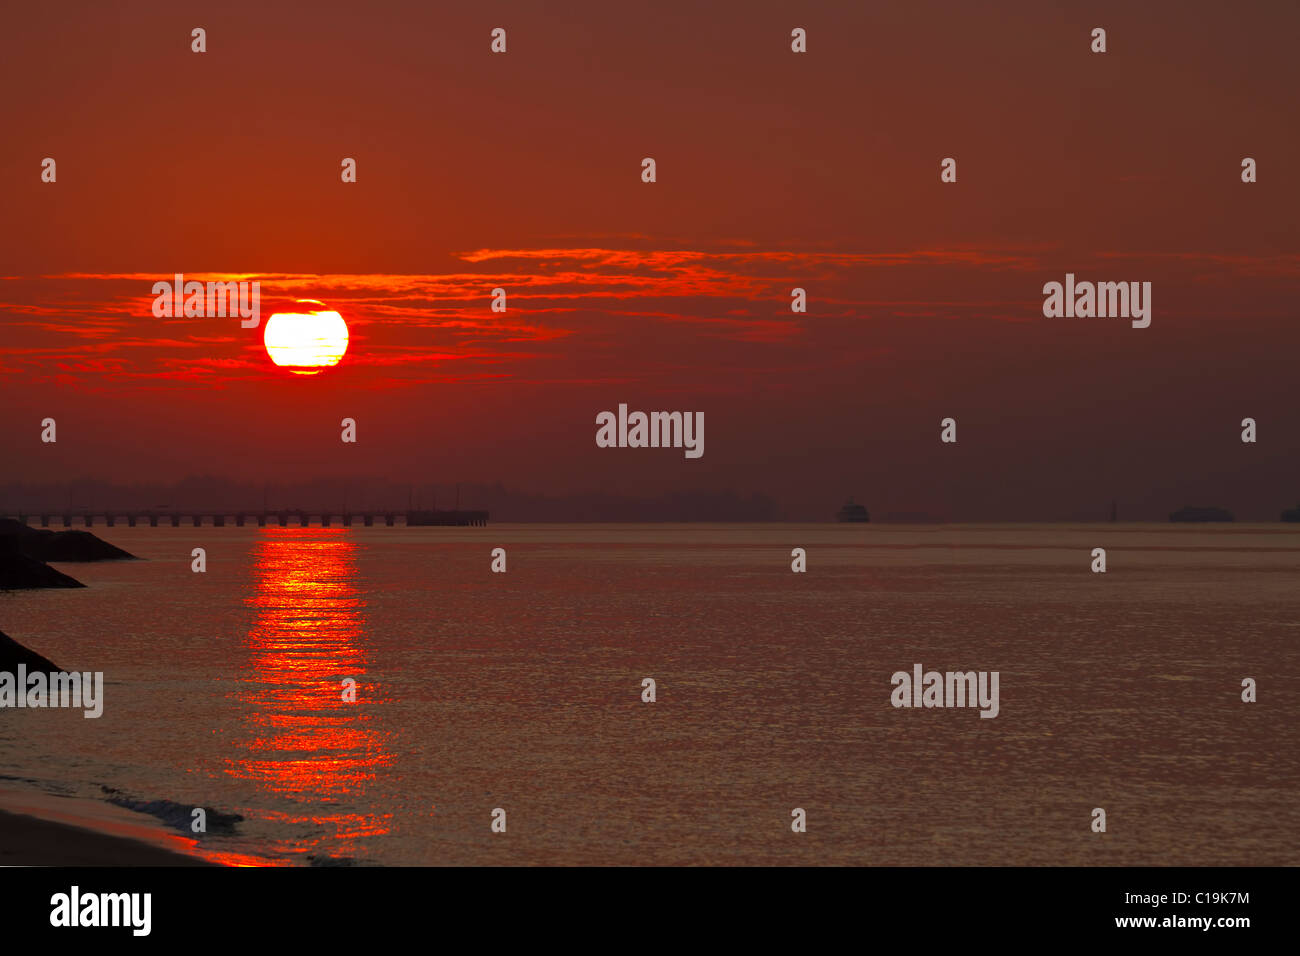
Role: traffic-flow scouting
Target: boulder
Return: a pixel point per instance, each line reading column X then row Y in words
column 45, row 545
column 12, row 654
column 17, row 571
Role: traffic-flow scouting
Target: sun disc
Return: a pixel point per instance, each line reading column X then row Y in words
column 306, row 342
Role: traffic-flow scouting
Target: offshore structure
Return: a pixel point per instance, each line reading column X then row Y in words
column 853, row 513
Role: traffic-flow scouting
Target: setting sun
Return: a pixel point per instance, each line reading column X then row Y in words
column 306, row 342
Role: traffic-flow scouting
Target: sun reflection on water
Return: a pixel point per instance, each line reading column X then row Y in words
column 300, row 740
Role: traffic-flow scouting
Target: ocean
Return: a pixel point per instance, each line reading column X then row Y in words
column 522, row 692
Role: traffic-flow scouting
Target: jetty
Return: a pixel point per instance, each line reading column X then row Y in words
column 220, row 517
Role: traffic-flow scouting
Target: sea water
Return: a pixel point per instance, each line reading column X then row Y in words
column 522, row 691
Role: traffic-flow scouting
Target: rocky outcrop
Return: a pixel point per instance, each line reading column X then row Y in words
column 45, row 545
column 18, row 571
column 12, row 654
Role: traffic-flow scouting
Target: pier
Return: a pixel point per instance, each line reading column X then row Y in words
column 219, row 518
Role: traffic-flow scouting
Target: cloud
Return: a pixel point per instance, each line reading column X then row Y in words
column 574, row 312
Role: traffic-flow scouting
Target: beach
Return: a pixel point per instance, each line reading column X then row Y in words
column 523, row 691
column 42, row 830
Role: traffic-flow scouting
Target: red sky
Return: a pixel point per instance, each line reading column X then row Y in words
column 775, row 170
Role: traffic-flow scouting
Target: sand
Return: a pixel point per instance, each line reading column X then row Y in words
column 58, row 832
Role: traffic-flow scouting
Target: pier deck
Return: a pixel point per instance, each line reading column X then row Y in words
column 219, row 518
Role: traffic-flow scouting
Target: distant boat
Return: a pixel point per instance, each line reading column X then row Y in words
column 1188, row 513
column 852, row 512
column 1291, row 514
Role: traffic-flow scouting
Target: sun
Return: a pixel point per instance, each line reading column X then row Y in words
column 306, row 342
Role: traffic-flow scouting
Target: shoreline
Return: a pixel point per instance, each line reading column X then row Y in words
column 38, row 829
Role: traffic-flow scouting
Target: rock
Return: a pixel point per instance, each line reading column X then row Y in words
column 45, row 545
column 17, row 571
column 12, row 654
column 179, row 815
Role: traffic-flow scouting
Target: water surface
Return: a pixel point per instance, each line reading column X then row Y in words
column 523, row 691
